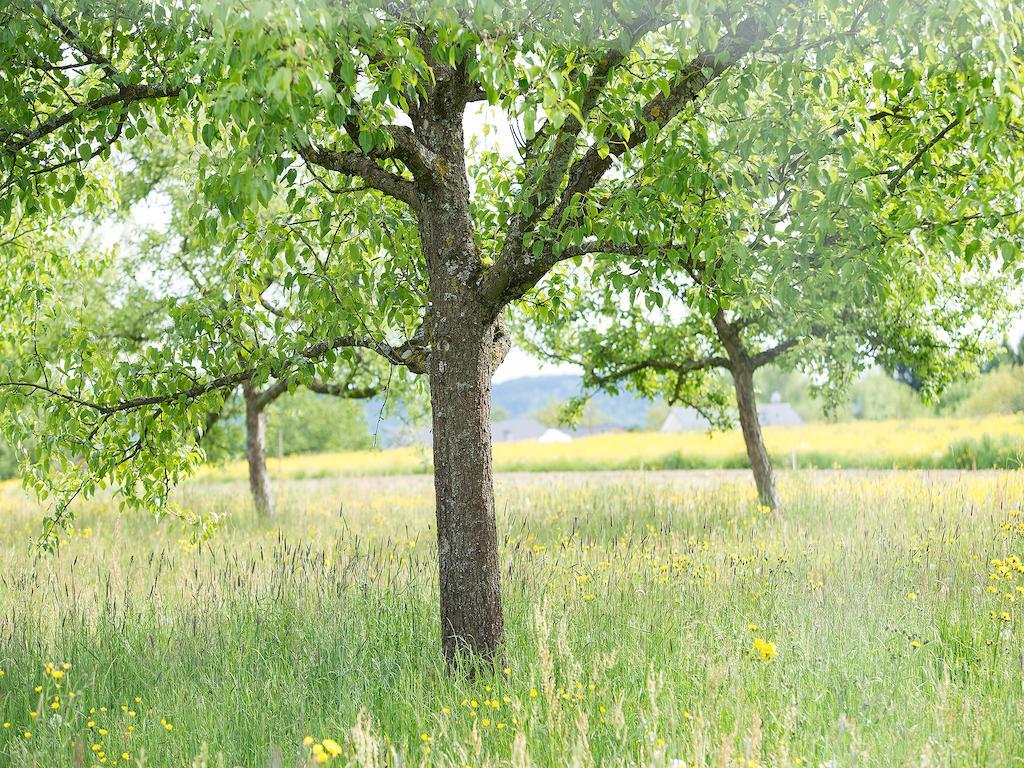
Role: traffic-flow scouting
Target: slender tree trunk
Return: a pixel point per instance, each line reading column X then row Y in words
column 256, row 453
column 461, row 341
column 746, row 402
column 742, row 368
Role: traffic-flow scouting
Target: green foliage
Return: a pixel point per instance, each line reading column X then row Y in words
column 999, row 391
column 8, row 461
column 836, row 169
column 307, row 422
column 836, row 204
column 879, row 396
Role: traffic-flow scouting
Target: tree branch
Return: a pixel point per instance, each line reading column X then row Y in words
column 542, row 194
column 514, row 272
column 411, row 354
column 346, row 390
column 769, row 355
column 362, row 165
column 270, row 394
column 406, row 147
column 894, row 182
column 662, row 366
column 125, row 94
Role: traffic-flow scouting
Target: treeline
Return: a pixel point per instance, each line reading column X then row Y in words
column 304, row 422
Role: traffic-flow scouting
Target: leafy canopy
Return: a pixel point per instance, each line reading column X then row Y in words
column 305, row 177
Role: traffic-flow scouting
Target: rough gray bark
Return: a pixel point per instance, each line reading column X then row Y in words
column 472, row 623
column 462, row 336
column 256, row 452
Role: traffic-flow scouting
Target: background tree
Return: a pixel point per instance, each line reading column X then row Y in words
column 788, row 233
column 256, row 403
column 331, row 160
column 307, row 422
column 158, row 280
column 564, row 413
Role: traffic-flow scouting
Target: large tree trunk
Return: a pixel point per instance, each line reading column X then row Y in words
column 460, row 394
column 461, row 341
column 764, row 475
column 256, row 453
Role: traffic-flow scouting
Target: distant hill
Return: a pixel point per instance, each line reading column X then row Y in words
column 523, row 397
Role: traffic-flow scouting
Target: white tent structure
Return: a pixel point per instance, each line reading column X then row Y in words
column 552, row 435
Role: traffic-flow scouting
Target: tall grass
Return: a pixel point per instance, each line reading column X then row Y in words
column 633, row 602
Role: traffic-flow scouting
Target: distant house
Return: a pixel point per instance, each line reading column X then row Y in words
column 684, row 420
column 512, row 430
column 778, row 415
column 769, row 414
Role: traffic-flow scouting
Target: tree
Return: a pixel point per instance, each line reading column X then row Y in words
column 789, row 235
column 256, row 403
column 330, row 141
column 556, row 413
column 831, row 330
column 158, row 275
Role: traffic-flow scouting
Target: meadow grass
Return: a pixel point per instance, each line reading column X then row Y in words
column 657, row 619
column 990, row 442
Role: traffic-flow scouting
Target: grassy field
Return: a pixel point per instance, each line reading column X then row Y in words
column 653, row 619
column 988, row 442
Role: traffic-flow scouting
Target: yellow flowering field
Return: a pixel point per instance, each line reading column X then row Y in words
column 915, row 443
column 654, row 619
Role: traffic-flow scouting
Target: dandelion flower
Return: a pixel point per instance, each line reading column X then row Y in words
column 765, row 649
